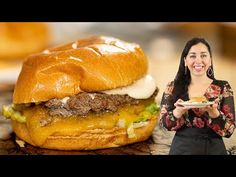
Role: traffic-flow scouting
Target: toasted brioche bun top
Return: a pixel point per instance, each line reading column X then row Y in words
column 198, row 99
column 18, row 40
column 87, row 65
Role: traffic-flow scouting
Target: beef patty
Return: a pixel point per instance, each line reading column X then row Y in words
column 83, row 103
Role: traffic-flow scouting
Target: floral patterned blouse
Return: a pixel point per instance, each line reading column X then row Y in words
column 223, row 125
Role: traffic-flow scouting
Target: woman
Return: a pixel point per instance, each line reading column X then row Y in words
column 198, row 130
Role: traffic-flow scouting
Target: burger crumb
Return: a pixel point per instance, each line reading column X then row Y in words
column 20, row 143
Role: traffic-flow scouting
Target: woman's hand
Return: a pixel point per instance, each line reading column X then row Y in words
column 212, row 109
column 179, row 109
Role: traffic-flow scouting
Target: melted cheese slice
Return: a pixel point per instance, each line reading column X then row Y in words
column 73, row 125
column 141, row 89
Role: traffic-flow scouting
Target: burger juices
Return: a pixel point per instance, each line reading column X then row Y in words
column 90, row 94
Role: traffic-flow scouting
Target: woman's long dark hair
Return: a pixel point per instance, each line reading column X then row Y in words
column 182, row 79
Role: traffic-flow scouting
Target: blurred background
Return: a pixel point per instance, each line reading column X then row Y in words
column 162, row 42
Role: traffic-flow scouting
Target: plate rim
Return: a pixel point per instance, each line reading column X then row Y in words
column 196, row 104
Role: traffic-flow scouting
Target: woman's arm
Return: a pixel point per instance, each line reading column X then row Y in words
column 224, row 124
column 167, row 115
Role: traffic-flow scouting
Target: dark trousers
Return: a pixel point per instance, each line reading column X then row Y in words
column 196, row 141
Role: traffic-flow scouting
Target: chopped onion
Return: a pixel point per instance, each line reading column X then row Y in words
column 121, row 123
column 140, row 124
column 130, row 131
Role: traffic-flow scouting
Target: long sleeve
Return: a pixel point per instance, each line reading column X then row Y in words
column 167, row 119
column 224, row 125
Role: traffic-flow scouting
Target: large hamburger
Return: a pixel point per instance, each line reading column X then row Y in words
column 90, row 94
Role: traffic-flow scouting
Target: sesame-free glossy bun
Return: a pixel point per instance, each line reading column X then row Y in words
column 87, row 65
column 88, row 139
column 198, row 99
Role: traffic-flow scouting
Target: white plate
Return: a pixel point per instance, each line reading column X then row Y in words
column 196, row 104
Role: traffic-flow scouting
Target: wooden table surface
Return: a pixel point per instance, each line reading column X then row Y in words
column 157, row 144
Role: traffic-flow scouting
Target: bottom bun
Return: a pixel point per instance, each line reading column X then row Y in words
column 89, row 139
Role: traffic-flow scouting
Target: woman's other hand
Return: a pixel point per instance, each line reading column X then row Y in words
column 179, row 110
column 212, row 109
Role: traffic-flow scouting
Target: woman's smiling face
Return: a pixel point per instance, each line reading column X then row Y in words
column 198, row 59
